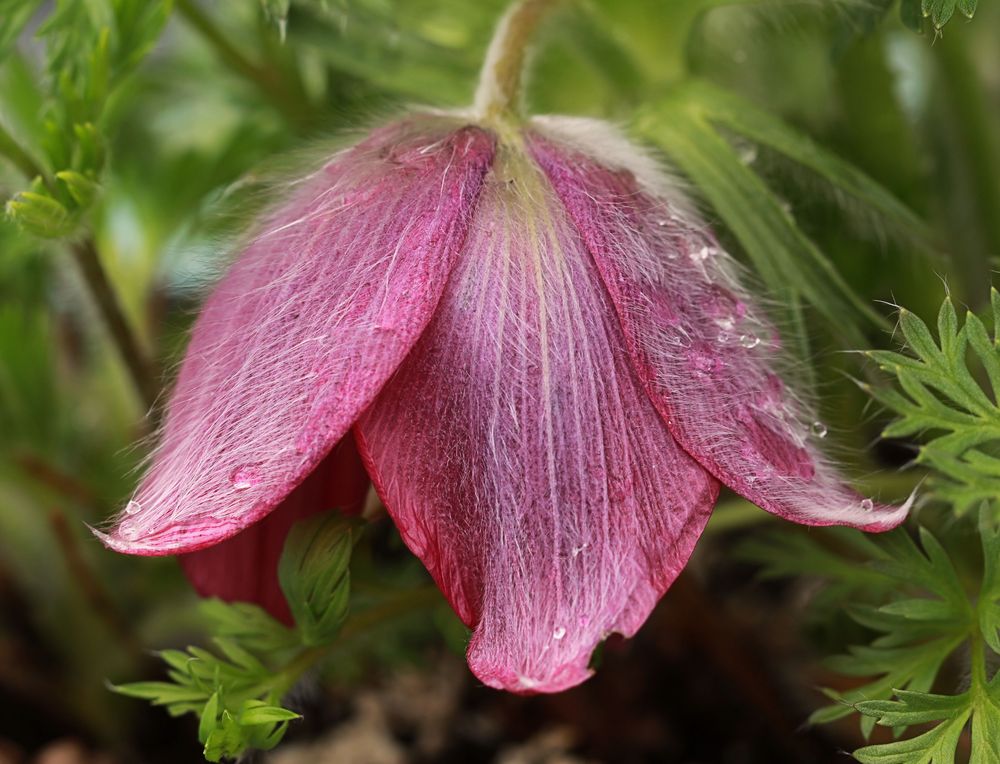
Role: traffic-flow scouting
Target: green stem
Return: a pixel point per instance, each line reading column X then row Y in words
column 96, row 278
column 280, row 93
column 498, row 96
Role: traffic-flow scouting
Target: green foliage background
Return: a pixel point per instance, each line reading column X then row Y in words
column 853, row 163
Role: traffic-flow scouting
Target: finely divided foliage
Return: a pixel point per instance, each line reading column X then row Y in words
column 544, row 360
column 237, row 692
column 926, row 607
column 950, row 390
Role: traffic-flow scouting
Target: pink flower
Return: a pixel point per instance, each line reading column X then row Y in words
column 543, row 358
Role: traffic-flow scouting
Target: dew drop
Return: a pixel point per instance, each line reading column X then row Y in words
column 726, row 322
column 749, row 340
column 701, row 255
column 133, row 507
column 663, row 222
column 128, row 531
column 748, row 154
column 818, row 429
column 559, row 632
column 244, row 478
column 867, row 505
column 723, row 338
column 702, row 362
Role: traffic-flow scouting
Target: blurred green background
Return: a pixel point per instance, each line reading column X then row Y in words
column 171, row 118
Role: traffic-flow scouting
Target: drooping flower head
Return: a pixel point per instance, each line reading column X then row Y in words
column 535, row 350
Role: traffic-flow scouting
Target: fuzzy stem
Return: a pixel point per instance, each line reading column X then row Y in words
column 501, row 79
column 103, row 294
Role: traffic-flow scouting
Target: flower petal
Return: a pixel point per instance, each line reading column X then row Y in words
column 304, row 330
column 244, row 567
column 520, row 457
column 703, row 350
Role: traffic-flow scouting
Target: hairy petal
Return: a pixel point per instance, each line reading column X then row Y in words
column 244, row 567
column 703, row 350
column 520, row 457
column 303, row 331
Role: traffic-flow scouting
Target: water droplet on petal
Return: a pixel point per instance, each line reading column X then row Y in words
column 244, row 478
column 723, row 338
column 726, row 322
column 559, row 632
column 133, row 507
column 128, row 531
column 818, row 429
column 703, row 362
column 867, row 505
column 701, row 255
column 663, row 222
column 578, row 549
column 749, row 340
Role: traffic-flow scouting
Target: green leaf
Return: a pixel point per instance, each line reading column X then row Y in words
column 258, row 712
column 944, row 402
column 743, row 117
column 209, row 717
column 14, row 16
column 786, row 259
column 160, row 693
column 82, row 189
column 41, row 215
column 937, row 746
column 314, row 575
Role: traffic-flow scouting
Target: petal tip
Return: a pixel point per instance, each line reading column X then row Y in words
column 544, row 678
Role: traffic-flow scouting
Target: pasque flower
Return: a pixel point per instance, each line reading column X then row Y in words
column 519, row 330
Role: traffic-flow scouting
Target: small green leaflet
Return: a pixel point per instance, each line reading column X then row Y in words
column 235, row 695
column 942, row 401
column 918, row 606
column 938, row 12
column 952, row 712
column 236, row 690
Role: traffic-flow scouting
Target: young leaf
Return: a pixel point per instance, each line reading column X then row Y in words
column 732, row 111
column 314, row 575
column 943, row 400
column 789, row 263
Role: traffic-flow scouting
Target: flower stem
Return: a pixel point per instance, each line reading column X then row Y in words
column 99, row 286
column 500, row 82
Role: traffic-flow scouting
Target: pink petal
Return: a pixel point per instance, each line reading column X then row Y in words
column 520, row 457
column 244, row 567
column 304, row 330
column 703, row 350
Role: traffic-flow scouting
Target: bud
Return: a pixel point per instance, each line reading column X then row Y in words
column 38, row 213
column 543, row 357
column 314, row 576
